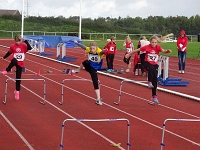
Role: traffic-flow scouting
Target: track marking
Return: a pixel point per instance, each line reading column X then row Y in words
column 195, row 143
column 18, row 133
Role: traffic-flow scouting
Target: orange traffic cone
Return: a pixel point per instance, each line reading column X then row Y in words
column 38, row 72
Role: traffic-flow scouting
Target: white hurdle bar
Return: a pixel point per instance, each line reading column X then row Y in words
column 178, row 120
column 163, row 62
column 120, row 89
column 62, row 93
column 61, row 48
column 6, row 88
column 96, row 120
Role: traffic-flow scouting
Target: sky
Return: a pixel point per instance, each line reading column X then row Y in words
column 105, row 8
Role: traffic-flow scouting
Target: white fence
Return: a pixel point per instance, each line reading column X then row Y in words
column 87, row 36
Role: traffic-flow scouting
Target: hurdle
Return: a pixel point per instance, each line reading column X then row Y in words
column 6, row 88
column 61, row 53
column 163, row 74
column 33, row 44
column 62, row 92
column 41, row 46
column 178, row 120
column 120, row 89
column 96, row 120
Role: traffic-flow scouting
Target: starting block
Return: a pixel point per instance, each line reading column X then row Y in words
column 61, row 48
column 163, row 78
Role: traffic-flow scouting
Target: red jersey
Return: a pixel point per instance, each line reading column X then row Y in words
column 129, row 47
column 18, row 52
column 111, row 48
column 182, row 42
column 152, row 53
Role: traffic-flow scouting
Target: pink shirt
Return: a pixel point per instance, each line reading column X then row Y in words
column 152, row 53
column 18, row 52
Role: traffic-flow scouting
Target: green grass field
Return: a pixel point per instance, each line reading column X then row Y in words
column 193, row 47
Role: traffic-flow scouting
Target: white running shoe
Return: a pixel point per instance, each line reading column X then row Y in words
column 179, row 71
column 183, row 72
column 136, row 72
column 75, row 71
column 99, row 101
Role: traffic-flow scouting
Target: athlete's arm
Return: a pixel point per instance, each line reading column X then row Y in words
column 166, row 51
column 28, row 45
column 80, row 45
column 6, row 55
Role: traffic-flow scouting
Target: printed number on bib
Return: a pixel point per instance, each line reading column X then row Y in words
column 128, row 50
column 153, row 57
column 19, row 56
column 94, row 58
column 112, row 49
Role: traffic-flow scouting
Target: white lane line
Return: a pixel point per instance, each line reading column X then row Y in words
column 18, row 133
column 124, row 112
column 91, row 129
column 114, row 90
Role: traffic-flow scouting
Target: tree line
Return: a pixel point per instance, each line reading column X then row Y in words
column 151, row 25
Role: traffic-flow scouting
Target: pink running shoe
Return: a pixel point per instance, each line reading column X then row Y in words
column 4, row 72
column 16, row 95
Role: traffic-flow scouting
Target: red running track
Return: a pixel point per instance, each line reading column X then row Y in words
column 39, row 126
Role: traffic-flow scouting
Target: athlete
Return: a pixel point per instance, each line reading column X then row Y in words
column 129, row 48
column 110, row 54
column 151, row 59
column 94, row 62
column 18, row 50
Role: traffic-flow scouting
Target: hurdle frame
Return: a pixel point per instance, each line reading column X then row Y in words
column 62, row 91
column 13, row 79
column 60, row 50
column 163, row 78
column 178, row 120
column 165, row 61
column 120, row 89
column 96, row 120
column 33, row 44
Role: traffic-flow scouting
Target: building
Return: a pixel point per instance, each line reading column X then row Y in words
column 9, row 12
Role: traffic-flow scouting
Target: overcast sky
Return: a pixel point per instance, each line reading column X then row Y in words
column 106, row 8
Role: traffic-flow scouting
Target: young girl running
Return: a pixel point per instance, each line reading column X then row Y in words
column 129, row 48
column 91, row 65
column 18, row 50
column 151, row 60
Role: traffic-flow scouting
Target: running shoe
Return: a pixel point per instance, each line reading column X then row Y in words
column 179, row 71
column 99, row 101
column 109, row 70
column 150, row 86
column 4, row 72
column 75, row 71
column 155, row 99
column 136, row 72
column 16, row 95
column 183, row 72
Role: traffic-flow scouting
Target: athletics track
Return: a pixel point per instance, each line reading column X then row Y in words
column 27, row 124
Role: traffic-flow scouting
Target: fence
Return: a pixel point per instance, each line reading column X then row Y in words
column 86, row 36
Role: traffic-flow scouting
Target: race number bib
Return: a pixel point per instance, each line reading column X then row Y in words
column 19, row 56
column 128, row 50
column 153, row 57
column 94, row 58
